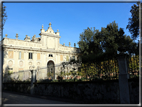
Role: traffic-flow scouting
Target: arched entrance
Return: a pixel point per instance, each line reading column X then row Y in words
column 51, row 69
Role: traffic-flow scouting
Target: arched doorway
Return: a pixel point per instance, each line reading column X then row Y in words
column 51, row 69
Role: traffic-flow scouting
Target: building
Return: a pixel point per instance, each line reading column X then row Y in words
column 21, row 55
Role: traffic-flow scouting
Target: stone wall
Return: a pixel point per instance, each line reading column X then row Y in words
column 97, row 92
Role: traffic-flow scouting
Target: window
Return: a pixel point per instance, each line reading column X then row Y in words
column 20, row 55
column 50, row 55
column 30, row 55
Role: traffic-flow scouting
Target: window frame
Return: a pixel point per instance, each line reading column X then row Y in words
column 30, row 55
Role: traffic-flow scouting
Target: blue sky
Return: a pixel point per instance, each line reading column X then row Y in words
column 70, row 18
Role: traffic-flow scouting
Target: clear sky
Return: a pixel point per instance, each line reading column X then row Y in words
column 70, row 18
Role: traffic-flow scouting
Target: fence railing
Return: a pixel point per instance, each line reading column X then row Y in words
column 108, row 69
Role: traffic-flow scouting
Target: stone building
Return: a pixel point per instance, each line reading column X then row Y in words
column 21, row 55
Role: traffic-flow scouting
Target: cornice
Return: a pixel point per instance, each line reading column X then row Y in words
column 21, row 40
column 37, row 49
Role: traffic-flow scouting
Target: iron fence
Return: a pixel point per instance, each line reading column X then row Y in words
column 107, row 69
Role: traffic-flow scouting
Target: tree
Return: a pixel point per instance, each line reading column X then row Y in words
column 133, row 24
column 98, row 46
column 4, row 15
column 114, row 40
column 3, row 18
column 89, row 44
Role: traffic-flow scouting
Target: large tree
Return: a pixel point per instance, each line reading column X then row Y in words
column 115, row 40
column 89, row 44
column 133, row 24
column 98, row 45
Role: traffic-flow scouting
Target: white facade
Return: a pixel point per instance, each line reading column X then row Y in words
column 44, row 49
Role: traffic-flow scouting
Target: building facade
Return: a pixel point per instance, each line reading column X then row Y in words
column 21, row 55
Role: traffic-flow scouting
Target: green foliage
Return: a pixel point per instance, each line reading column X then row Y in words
column 74, row 73
column 134, row 63
column 97, row 45
column 90, row 42
column 95, row 69
column 4, row 15
column 114, row 40
column 61, row 74
column 67, row 73
column 133, row 24
column 10, row 72
column 49, row 74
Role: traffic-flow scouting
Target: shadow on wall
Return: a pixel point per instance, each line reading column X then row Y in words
column 10, row 76
column 6, row 75
column 25, row 75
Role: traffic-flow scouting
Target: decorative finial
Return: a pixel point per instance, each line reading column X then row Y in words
column 34, row 36
column 26, row 36
column 17, row 36
column 6, row 35
column 69, row 44
column 74, row 44
column 63, row 44
column 57, row 30
column 42, row 26
column 50, row 24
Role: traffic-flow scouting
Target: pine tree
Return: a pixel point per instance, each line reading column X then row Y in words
column 133, row 24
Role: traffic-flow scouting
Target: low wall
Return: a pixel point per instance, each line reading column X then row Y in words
column 97, row 92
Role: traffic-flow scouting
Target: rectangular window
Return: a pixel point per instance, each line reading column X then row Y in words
column 30, row 55
column 20, row 55
column 38, row 56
